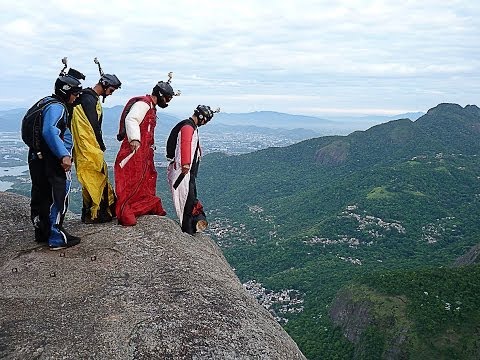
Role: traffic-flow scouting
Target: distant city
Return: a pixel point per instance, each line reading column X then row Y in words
column 232, row 134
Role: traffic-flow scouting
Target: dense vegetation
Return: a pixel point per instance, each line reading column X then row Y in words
column 400, row 197
column 441, row 306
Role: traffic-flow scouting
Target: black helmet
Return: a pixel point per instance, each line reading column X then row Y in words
column 110, row 80
column 204, row 113
column 67, row 85
column 163, row 88
column 164, row 93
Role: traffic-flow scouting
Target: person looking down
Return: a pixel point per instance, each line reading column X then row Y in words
column 92, row 172
column 50, row 167
column 184, row 153
column 135, row 173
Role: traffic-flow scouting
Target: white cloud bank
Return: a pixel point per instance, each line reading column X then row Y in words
column 308, row 57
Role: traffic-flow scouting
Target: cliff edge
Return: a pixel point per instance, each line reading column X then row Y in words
column 143, row 292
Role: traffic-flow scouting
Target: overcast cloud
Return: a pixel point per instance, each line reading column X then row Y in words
column 301, row 57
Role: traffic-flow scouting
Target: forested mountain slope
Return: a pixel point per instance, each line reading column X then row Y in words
column 312, row 217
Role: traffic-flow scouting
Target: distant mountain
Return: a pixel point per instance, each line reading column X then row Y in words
column 318, row 215
column 410, row 115
column 276, row 120
column 367, row 121
column 214, row 130
column 10, row 121
column 167, row 121
column 332, row 126
column 272, row 125
column 377, row 119
column 272, row 119
column 299, row 133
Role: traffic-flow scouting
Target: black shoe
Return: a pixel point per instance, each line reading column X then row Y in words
column 104, row 216
column 67, row 244
column 89, row 220
column 69, row 236
column 101, row 219
column 84, row 214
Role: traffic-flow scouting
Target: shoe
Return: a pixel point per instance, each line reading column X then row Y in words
column 64, row 245
column 69, row 236
column 101, row 219
column 201, row 225
column 84, row 214
column 104, row 218
column 89, row 220
column 60, row 239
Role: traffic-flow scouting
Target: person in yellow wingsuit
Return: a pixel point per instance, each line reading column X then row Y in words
column 92, row 173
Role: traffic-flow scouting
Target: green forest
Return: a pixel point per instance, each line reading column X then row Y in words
column 387, row 210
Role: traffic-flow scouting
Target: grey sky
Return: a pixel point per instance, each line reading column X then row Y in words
column 301, row 57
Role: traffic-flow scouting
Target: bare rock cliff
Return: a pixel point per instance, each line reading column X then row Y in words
column 144, row 292
column 470, row 258
column 357, row 311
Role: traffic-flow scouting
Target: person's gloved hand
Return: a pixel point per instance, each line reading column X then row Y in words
column 66, row 163
column 134, row 145
column 185, row 169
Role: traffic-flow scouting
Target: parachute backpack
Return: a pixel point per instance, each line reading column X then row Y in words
column 32, row 122
column 157, row 91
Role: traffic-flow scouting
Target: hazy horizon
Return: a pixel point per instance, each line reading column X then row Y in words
column 316, row 58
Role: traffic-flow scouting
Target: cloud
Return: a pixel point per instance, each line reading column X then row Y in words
column 351, row 55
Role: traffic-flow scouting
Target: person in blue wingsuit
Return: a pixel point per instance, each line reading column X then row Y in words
column 50, row 159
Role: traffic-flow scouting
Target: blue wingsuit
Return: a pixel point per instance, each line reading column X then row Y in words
column 50, row 183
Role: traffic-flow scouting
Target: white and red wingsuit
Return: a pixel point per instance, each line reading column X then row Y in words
column 183, row 148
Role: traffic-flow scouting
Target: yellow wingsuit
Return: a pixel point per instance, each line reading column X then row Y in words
column 97, row 192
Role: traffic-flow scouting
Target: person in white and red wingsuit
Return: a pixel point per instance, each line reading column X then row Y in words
column 184, row 152
column 135, row 173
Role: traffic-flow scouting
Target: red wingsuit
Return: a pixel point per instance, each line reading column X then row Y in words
column 135, row 174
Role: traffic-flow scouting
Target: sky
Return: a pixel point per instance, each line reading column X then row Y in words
column 319, row 58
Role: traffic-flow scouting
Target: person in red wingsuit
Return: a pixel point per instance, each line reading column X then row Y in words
column 135, row 173
column 183, row 152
